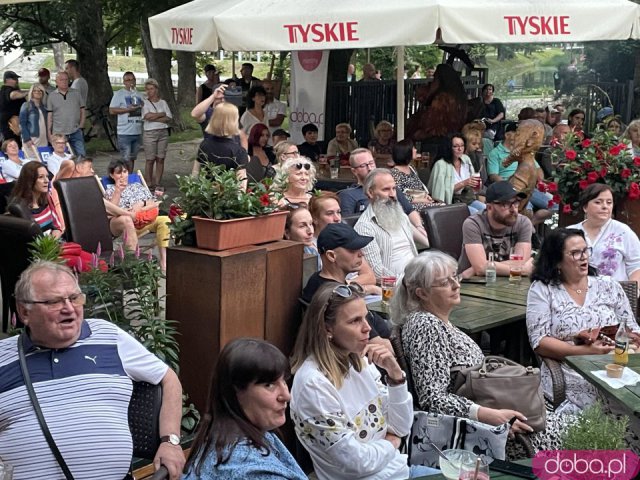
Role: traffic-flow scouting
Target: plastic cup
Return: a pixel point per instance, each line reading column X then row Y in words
column 388, row 286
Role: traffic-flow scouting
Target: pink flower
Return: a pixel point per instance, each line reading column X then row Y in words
column 586, row 143
column 570, row 154
column 566, row 208
column 98, row 249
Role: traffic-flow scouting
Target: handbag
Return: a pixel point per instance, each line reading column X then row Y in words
column 145, row 217
column 498, row 382
column 38, row 411
column 447, row 431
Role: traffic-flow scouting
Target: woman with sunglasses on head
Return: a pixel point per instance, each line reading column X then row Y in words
column 344, row 416
column 247, row 401
column 566, row 297
column 296, row 177
column 422, row 304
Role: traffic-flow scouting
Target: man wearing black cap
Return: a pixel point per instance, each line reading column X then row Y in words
column 499, row 228
column 246, row 81
column 340, row 247
column 11, row 99
column 279, row 135
column 206, row 89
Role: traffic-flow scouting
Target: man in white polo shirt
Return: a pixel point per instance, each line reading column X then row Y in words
column 82, row 372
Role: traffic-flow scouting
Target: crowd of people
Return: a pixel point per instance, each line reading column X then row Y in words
column 349, row 400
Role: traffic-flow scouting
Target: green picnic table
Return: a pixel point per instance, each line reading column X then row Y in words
column 501, row 291
column 494, row 474
column 474, row 315
column 628, row 396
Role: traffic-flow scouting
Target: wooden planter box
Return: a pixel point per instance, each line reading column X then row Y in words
column 239, row 232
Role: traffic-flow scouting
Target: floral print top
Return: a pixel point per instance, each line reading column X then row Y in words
column 132, row 194
column 616, row 250
column 344, row 428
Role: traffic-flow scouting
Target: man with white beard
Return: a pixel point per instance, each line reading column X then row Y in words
column 384, row 220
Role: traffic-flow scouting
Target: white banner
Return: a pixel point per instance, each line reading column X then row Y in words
column 308, row 91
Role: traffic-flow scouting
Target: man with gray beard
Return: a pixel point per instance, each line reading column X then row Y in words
column 384, row 220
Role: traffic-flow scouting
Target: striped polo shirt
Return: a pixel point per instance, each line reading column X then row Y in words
column 84, row 393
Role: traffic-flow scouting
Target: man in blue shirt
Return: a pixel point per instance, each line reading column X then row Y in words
column 127, row 104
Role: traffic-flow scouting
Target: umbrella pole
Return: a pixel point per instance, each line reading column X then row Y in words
column 400, row 93
column 233, row 64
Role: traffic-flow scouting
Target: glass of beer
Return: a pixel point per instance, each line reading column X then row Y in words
column 388, row 285
column 516, row 258
column 477, row 182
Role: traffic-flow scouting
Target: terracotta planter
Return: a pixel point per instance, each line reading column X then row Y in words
column 239, row 232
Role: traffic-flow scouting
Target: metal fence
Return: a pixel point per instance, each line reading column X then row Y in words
column 618, row 95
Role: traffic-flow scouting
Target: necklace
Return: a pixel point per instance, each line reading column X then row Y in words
column 580, row 291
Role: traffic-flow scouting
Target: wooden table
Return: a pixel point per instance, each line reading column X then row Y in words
column 628, row 396
column 474, row 315
column 325, row 182
column 501, row 291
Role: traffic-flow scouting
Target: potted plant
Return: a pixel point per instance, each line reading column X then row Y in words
column 583, row 161
column 595, row 430
column 223, row 213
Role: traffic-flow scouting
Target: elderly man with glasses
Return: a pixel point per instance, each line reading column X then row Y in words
column 82, row 372
column 498, row 229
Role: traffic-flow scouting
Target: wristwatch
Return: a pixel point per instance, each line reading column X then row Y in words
column 394, row 383
column 172, row 438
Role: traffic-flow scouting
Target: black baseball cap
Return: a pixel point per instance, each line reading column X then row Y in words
column 337, row 235
column 280, row 132
column 502, row 192
column 11, row 74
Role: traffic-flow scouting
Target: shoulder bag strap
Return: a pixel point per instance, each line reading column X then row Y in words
column 38, row 410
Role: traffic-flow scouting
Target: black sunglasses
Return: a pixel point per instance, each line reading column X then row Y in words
column 300, row 166
column 346, row 291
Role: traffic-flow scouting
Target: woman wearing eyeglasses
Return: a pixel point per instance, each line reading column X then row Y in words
column 297, row 176
column 348, row 421
column 422, row 304
column 284, row 150
column 566, row 297
column 616, row 248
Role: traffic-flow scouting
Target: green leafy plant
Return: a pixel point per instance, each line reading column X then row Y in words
column 219, row 194
column 595, row 430
column 600, row 159
column 46, row 247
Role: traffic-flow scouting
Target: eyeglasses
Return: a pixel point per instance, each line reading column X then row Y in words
column 347, row 291
column 296, row 152
column 508, row 205
column 76, row 299
column 300, row 166
column 580, row 254
column 453, row 281
column 370, row 164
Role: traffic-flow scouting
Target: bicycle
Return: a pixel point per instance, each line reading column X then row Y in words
column 100, row 118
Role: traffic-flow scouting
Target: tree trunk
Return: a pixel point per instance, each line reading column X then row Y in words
column 159, row 67
column 186, row 78
column 58, row 56
column 92, row 52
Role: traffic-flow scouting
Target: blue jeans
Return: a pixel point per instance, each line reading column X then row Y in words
column 128, row 145
column 422, row 471
column 76, row 140
column 540, row 200
column 476, row 207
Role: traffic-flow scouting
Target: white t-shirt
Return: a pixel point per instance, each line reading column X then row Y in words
column 272, row 110
column 155, row 107
column 465, row 172
column 402, row 252
column 54, row 161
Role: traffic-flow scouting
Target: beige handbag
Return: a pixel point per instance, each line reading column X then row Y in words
column 499, row 383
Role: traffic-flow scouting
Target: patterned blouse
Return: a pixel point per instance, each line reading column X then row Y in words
column 132, row 194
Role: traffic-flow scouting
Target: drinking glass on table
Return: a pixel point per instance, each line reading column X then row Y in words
column 334, row 168
column 477, row 469
column 388, row 286
column 516, row 257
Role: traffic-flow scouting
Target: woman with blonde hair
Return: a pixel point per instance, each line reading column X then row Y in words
column 296, row 178
column 383, row 142
column 284, row 150
column 33, row 121
column 342, row 144
column 349, row 422
column 222, row 145
column 155, row 136
column 632, row 134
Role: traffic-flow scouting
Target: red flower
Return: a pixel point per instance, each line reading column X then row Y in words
column 625, row 173
column 587, row 165
column 586, row 143
column 552, row 187
column 554, row 142
column 570, row 154
column 566, row 208
column 592, row 177
column 557, row 198
column 615, row 150
column 634, row 187
column 603, row 172
column 265, row 200
column 579, row 134
column 634, row 193
column 542, row 187
column 583, row 184
column 551, row 204
column 636, row 161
